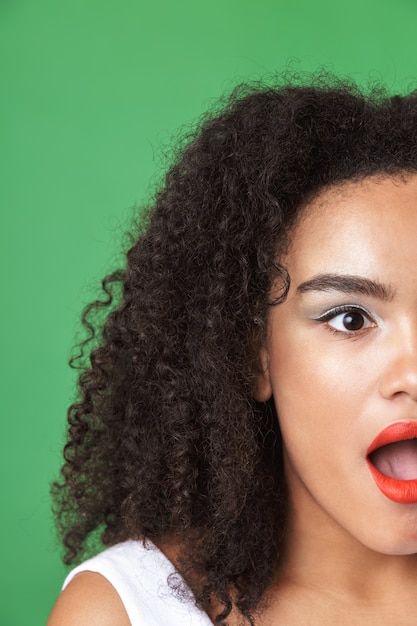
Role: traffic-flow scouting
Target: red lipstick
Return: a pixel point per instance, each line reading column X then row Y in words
column 394, row 487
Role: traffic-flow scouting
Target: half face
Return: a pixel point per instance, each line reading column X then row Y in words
column 341, row 363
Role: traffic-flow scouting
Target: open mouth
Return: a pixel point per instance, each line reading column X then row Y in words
column 392, row 461
column 397, row 460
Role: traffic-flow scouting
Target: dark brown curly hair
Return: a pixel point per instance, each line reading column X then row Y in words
column 166, row 439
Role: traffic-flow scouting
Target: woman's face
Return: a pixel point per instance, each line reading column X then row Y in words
column 341, row 363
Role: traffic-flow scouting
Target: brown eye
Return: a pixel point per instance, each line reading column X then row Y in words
column 348, row 319
column 353, row 321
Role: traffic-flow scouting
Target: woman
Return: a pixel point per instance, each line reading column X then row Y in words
column 244, row 438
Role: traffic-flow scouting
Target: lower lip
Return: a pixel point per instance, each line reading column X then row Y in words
column 401, row 491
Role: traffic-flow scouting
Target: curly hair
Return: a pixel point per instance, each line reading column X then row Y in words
column 167, row 439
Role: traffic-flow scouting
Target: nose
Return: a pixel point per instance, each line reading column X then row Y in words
column 399, row 367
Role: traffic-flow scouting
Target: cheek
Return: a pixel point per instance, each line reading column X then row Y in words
column 303, row 376
column 315, row 374
column 318, row 400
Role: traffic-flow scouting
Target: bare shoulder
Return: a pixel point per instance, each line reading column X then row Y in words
column 89, row 600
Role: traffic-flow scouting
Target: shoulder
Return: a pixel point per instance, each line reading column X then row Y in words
column 89, row 600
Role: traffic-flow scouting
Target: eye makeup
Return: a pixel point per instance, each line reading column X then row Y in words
column 346, row 319
column 344, row 308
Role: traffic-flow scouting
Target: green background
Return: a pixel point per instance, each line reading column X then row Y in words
column 92, row 93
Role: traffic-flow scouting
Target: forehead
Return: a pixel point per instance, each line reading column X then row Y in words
column 352, row 227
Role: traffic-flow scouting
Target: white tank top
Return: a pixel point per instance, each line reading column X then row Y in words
column 139, row 575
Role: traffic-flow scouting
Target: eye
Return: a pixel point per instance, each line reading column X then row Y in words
column 348, row 319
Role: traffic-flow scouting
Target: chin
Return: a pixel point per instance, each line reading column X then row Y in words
column 396, row 539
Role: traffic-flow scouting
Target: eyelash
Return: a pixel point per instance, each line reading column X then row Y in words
column 344, row 309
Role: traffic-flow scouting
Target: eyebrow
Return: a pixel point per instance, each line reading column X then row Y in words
column 347, row 283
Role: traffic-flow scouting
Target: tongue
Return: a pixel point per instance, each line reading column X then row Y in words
column 397, row 460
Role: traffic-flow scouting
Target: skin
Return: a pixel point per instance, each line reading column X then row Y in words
column 350, row 551
column 89, row 600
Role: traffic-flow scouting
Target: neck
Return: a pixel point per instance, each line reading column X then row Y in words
column 329, row 560
column 321, row 555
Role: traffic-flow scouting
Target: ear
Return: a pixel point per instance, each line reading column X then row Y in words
column 263, row 388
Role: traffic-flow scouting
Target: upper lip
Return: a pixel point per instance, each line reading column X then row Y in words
column 397, row 431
